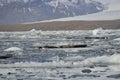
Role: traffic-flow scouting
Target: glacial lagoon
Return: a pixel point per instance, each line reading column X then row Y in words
column 22, row 59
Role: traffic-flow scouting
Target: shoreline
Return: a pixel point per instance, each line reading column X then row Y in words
column 62, row 25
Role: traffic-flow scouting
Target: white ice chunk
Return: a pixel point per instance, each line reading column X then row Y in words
column 113, row 59
column 13, row 49
column 117, row 39
column 95, row 32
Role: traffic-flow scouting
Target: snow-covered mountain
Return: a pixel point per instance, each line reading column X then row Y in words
column 111, row 4
column 112, row 12
column 21, row 11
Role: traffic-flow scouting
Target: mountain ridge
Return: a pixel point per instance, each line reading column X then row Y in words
column 21, row 11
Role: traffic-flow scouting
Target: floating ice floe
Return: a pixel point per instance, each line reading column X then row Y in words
column 13, row 49
column 5, row 71
column 53, row 64
column 33, row 30
column 108, row 60
column 95, row 32
column 117, row 39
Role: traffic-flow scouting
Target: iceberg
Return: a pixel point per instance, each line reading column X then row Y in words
column 13, row 49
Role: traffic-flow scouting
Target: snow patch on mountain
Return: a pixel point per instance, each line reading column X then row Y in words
column 111, row 4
